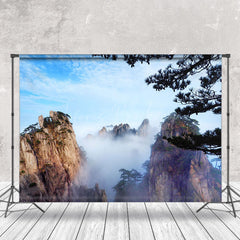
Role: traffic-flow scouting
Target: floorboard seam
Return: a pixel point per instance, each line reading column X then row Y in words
column 82, row 220
column 11, row 206
column 149, row 221
column 230, row 209
column 175, row 221
column 58, row 220
column 105, row 221
column 36, row 221
column 14, row 221
column 199, row 221
column 128, row 222
column 5, row 187
column 235, row 188
column 223, row 223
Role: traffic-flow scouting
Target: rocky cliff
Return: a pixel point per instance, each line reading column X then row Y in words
column 122, row 130
column 50, row 161
column 178, row 174
column 176, row 126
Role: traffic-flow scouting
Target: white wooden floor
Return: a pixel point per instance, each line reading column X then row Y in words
column 112, row 221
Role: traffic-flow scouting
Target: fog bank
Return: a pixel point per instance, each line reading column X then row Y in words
column 106, row 155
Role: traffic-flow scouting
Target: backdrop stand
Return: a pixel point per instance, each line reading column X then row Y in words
column 228, row 188
column 12, row 188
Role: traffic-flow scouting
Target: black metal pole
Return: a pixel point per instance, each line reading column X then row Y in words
column 12, row 187
column 228, row 121
column 228, row 188
column 12, row 125
column 228, row 126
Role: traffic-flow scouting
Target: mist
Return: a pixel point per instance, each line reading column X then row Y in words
column 106, row 155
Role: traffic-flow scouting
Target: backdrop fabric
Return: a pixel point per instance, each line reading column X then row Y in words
column 120, row 128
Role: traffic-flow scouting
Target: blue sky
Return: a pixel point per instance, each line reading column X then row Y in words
column 96, row 93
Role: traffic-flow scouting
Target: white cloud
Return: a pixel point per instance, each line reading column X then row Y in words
column 97, row 91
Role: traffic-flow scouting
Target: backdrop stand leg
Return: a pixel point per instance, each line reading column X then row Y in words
column 203, row 207
column 38, row 207
column 12, row 188
column 228, row 187
column 32, row 203
column 229, row 200
column 9, row 201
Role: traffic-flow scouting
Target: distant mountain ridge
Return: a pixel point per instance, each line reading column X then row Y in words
column 124, row 129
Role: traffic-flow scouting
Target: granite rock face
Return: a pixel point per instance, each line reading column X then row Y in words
column 50, row 160
column 176, row 126
column 181, row 175
column 121, row 130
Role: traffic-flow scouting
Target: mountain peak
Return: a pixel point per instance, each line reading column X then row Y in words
column 51, row 161
column 176, row 125
column 143, row 128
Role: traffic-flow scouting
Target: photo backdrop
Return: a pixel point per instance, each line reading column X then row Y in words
column 120, row 128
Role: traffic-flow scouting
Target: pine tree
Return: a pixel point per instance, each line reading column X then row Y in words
column 202, row 100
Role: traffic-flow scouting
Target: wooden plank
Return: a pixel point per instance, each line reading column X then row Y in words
column 117, row 222
column 6, row 223
column 4, row 186
column 92, row 226
column 236, row 206
column 212, row 224
column 222, row 212
column 192, row 227
column 69, row 224
column 140, row 227
column 187, row 222
column 43, row 228
column 3, row 205
column 25, row 222
column 235, row 198
column 235, row 186
column 164, row 226
column 15, row 211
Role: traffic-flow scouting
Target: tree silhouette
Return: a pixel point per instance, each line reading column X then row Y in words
column 205, row 98
column 188, row 134
column 127, row 187
column 30, row 129
column 209, row 142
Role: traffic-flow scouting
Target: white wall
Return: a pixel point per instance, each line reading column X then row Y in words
column 118, row 26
